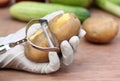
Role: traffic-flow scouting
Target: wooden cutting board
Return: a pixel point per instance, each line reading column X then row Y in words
column 91, row 63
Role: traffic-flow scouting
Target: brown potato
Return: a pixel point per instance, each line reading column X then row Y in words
column 63, row 26
column 4, row 3
column 100, row 29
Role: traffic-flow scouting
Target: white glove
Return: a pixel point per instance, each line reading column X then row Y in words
column 15, row 58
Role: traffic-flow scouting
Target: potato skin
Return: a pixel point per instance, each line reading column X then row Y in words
column 62, row 32
column 100, row 29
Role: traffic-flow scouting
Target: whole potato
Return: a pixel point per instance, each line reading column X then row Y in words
column 4, row 3
column 100, row 30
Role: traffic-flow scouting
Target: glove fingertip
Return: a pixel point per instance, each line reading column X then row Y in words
column 64, row 43
column 82, row 33
column 67, row 52
column 74, row 41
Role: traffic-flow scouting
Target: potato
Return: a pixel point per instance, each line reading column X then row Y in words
column 63, row 26
column 4, row 3
column 100, row 29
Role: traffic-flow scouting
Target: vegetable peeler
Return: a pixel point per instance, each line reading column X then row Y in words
column 44, row 25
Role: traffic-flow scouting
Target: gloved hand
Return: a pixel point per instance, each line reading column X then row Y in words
column 15, row 58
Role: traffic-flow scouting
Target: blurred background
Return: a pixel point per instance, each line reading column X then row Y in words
column 93, row 62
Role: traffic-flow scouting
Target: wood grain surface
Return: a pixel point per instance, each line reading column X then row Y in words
column 92, row 62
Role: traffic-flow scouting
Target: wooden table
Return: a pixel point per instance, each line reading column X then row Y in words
column 92, row 62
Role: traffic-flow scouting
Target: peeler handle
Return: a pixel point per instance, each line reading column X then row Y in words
column 4, row 48
column 18, row 42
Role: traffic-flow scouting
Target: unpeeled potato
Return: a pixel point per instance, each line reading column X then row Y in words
column 63, row 26
column 4, row 2
column 100, row 29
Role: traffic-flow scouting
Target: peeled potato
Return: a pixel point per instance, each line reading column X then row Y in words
column 100, row 29
column 63, row 26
